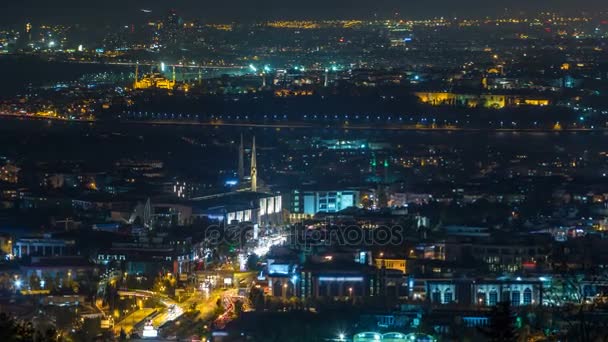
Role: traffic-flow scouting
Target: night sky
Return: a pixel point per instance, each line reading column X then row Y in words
column 127, row 11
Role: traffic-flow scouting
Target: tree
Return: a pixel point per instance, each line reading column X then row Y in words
column 256, row 296
column 571, row 304
column 14, row 331
column 501, row 328
column 252, row 262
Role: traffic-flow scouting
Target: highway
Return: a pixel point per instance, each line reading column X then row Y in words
column 132, row 320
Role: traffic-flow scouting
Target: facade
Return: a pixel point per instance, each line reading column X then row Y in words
column 149, row 257
column 59, row 269
column 312, row 202
column 42, row 247
column 520, row 292
column 243, row 207
column 479, row 100
column 510, row 258
column 391, row 264
column 333, row 281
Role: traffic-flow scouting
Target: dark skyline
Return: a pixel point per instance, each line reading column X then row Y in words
column 114, row 11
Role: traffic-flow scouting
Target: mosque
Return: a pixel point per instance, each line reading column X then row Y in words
column 250, row 202
column 153, row 80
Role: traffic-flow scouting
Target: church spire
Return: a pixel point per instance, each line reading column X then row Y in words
column 254, row 169
column 241, row 160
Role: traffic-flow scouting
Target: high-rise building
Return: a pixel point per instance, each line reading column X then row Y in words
column 171, row 29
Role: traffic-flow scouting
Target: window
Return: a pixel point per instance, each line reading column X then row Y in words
column 515, row 298
column 436, row 296
column 527, row 296
column 447, row 296
column 493, row 298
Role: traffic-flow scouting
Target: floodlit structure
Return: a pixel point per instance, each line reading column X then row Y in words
column 254, row 169
column 520, row 292
column 153, row 80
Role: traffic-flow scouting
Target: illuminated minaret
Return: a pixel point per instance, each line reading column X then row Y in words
column 28, row 30
column 136, row 75
column 254, row 169
column 241, row 160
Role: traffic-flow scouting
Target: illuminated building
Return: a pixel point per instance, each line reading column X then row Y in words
column 536, row 102
column 337, row 279
column 290, row 93
column 520, row 292
column 153, row 80
column 241, row 207
column 170, row 30
column 9, row 173
column 391, row 264
column 496, row 101
column 312, row 202
column 42, row 247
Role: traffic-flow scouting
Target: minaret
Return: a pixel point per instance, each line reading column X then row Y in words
column 173, row 75
column 136, row 75
column 254, row 169
column 241, row 160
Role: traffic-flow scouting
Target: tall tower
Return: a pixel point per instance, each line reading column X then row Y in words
column 28, row 31
column 136, row 75
column 254, row 169
column 241, row 160
column 148, row 215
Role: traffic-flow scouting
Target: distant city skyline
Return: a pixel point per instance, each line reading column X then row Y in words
column 114, row 11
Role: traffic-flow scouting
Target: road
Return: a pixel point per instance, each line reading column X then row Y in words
column 229, row 300
column 132, row 320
